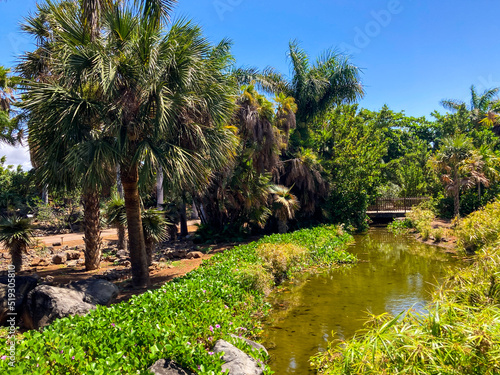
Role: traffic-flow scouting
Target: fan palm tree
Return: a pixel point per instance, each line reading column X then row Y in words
column 8, row 126
column 155, row 228
column 117, row 217
column 454, row 162
column 139, row 85
column 284, row 206
column 16, row 235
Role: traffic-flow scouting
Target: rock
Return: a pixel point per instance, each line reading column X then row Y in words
column 253, row 344
column 167, row 367
column 72, row 263
column 126, row 264
column 122, row 253
column 97, row 292
column 237, row 361
column 22, row 286
column 56, row 244
column 49, row 279
column 73, row 255
column 35, row 262
column 194, row 254
column 59, row 258
column 50, row 249
column 48, row 303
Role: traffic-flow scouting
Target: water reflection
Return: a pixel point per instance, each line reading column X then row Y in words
column 395, row 273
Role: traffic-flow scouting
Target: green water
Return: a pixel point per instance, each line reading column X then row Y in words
column 395, row 273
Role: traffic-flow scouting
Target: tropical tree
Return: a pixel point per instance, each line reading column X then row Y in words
column 155, row 228
column 454, row 162
column 140, row 84
column 9, row 131
column 284, row 206
column 117, row 217
column 482, row 107
column 16, row 235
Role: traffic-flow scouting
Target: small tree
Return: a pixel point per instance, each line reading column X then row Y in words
column 155, row 229
column 116, row 216
column 16, row 235
column 284, row 206
column 453, row 162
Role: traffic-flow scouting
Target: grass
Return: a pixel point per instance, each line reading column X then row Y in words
column 460, row 334
column 180, row 321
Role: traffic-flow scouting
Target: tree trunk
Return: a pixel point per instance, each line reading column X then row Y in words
column 16, row 255
column 137, row 247
column 282, row 227
column 45, row 194
column 159, row 189
column 183, row 219
column 150, row 247
column 119, row 186
column 456, row 201
column 195, row 215
column 92, row 230
column 122, row 243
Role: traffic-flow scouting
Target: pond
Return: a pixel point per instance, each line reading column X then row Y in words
column 395, row 273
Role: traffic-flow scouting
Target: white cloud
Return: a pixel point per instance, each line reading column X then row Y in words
column 18, row 155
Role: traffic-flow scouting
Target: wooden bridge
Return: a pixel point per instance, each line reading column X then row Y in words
column 393, row 207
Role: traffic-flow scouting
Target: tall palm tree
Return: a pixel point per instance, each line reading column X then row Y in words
column 284, row 206
column 155, row 228
column 8, row 126
column 139, row 85
column 16, row 235
column 453, row 162
column 482, row 106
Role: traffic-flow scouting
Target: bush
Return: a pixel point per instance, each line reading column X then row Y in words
column 180, row 321
column 421, row 218
column 399, row 226
column 480, row 228
column 280, row 259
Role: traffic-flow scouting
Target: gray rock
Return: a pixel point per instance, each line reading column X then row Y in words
column 48, row 303
column 167, row 367
column 253, row 344
column 237, row 361
column 96, row 292
column 59, row 258
column 23, row 285
column 56, row 244
column 72, row 263
column 122, row 253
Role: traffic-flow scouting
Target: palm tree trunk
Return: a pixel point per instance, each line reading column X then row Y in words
column 282, row 227
column 456, row 201
column 16, row 254
column 159, row 189
column 119, row 186
column 137, row 247
column 183, row 219
column 45, row 195
column 122, row 244
column 92, row 230
column 150, row 246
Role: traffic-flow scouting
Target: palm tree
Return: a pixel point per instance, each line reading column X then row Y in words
column 8, row 126
column 284, row 206
column 16, row 235
column 117, row 217
column 482, row 106
column 453, row 162
column 139, row 86
column 155, row 228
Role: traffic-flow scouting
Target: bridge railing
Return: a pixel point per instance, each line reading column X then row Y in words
column 396, row 204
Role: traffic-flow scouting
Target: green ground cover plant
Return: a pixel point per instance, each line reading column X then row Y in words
column 460, row 334
column 181, row 321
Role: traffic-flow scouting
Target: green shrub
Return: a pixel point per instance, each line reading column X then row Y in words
column 421, row 218
column 399, row 226
column 255, row 277
column 438, row 234
column 480, row 228
column 180, row 321
column 279, row 259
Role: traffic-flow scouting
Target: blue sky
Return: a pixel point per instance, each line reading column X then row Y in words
column 413, row 52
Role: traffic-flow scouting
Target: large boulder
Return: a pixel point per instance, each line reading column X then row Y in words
column 73, row 254
column 96, row 292
column 237, row 361
column 167, row 367
column 255, row 345
column 194, row 254
column 22, row 286
column 48, row 303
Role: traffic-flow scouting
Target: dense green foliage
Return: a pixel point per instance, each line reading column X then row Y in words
column 181, row 320
column 458, row 335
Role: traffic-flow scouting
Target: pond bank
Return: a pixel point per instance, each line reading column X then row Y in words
column 395, row 273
